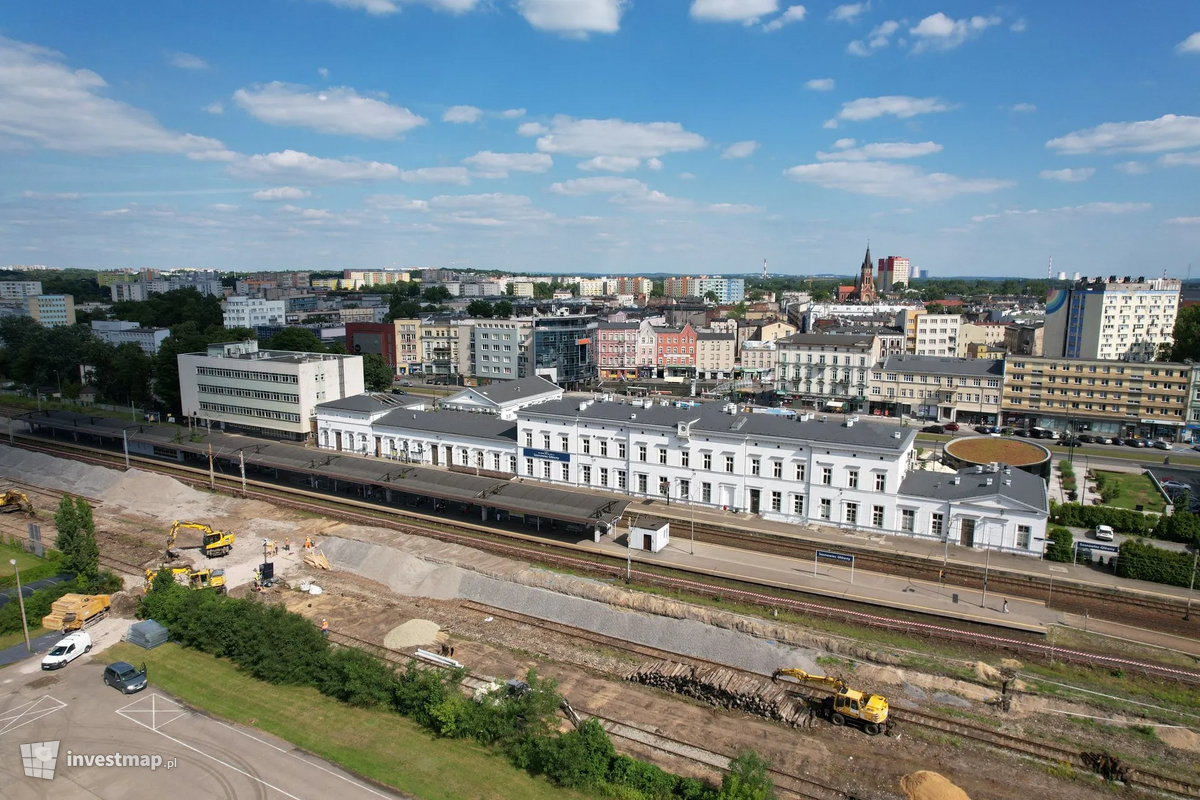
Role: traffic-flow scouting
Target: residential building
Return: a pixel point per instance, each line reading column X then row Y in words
column 826, row 371
column 358, row 278
column 564, row 350
column 1024, row 340
column 716, row 354
column 1118, row 320
column 51, row 310
column 522, row 288
column 1114, row 398
column 119, row 332
column 680, row 287
column 930, row 334
column 647, row 349
column 727, row 290
column 485, row 288
column 893, row 270
column 247, row 312
column 773, row 331
column 941, row 389
column 122, row 291
column 891, row 340
column 398, row 342
column 19, row 290
column 675, row 351
column 503, row 399
column 617, row 350
column 500, row 349
column 981, row 350
column 592, row 287
column 987, row 333
column 758, row 360
column 259, row 282
column 627, row 284
column 269, row 392
column 1192, row 430
column 441, row 353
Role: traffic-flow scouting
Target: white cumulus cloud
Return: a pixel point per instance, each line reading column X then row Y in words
column 792, row 14
column 574, row 18
column 940, row 32
column 214, row 108
column 901, row 106
column 382, row 8
column 1180, row 160
column 880, row 150
column 615, row 137
column 746, row 12
column 297, row 167
column 741, row 149
column 1132, row 168
column 457, row 175
column 186, row 61
column 608, row 184
column 1184, row 221
column 462, row 114
column 281, row 193
column 486, row 164
column 1068, row 175
column 849, row 12
column 44, row 102
column 1168, row 132
column 1024, row 108
column 884, row 179
column 1189, row 45
column 610, row 164
column 513, row 113
column 531, row 129
column 879, row 37
column 336, row 110
column 820, row 84
column 654, row 164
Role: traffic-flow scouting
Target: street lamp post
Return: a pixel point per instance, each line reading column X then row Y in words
column 1195, row 555
column 21, row 601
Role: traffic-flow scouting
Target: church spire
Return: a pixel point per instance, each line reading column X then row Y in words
column 867, row 259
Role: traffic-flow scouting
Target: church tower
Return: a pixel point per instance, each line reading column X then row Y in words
column 865, row 285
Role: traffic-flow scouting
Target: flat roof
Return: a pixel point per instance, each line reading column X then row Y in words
column 945, row 365
column 464, row 423
column 512, row 391
column 842, row 339
column 365, row 403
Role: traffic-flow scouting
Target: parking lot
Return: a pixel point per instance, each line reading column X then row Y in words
column 198, row 757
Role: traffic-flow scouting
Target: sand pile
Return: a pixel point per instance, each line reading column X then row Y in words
column 161, row 496
column 1180, row 738
column 57, row 473
column 397, row 570
column 986, row 672
column 414, row 633
column 925, row 785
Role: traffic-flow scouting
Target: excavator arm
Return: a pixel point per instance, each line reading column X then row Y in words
column 805, row 677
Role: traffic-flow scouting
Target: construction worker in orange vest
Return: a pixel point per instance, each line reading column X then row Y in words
column 325, row 628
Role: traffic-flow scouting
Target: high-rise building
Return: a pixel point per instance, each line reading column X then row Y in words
column 51, row 310
column 247, row 312
column 19, row 290
column 1126, row 319
column 892, row 270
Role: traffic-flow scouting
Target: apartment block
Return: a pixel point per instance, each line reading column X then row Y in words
column 826, row 371
column 1119, row 320
column 19, row 290
column 51, row 310
column 249, row 312
column 941, row 389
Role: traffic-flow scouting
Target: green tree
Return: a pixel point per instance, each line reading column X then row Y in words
column 405, row 309
column 747, row 779
column 377, row 375
column 436, row 294
column 299, row 340
column 480, row 309
column 1187, row 335
column 187, row 337
column 83, row 557
column 737, row 312
column 172, row 308
column 656, row 289
column 66, row 521
column 935, row 308
column 502, row 310
column 543, row 291
column 127, row 377
column 1061, row 545
column 899, row 286
column 711, row 297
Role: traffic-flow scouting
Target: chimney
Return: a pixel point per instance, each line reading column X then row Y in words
column 955, row 480
column 896, row 434
column 988, row 482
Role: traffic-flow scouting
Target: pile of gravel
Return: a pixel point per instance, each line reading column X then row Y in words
column 399, row 571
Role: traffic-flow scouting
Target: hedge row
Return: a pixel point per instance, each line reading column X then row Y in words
column 37, row 605
column 1182, row 526
column 1122, row 520
column 1145, row 562
column 278, row 646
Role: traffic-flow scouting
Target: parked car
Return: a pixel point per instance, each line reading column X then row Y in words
column 1104, row 533
column 1104, row 440
column 1023, row 433
column 1007, row 431
column 124, row 677
column 933, row 429
column 1196, row 447
column 982, row 429
column 67, row 650
column 1161, row 445
column 1071, row 442
column 1086, row 438
column 1175, row 486
column 951, row 426
column 1118, row 441
column 1135, row 443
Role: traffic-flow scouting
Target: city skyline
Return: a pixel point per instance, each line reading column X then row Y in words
column 601, row 137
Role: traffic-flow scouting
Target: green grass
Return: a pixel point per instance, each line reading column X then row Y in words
column 9, row 639
column 1136, row 490
column 378, row 745
column 24, row 560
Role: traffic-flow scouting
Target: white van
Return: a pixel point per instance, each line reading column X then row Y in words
column 67, row 650
column 1104, row 533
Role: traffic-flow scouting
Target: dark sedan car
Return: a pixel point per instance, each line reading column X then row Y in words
column 933, row 429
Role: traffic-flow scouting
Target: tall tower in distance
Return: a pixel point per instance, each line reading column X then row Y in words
column 764, row 269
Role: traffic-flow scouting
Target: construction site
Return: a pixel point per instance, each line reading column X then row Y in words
column 683, row 684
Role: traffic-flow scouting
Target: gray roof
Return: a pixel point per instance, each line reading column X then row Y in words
column 843, row 340
column 939, row 365
column 365, row 403
column 1025, row 488
column 722, row 337
column 711, row 417
column 619, row 326
column 462, row 423
column 508, row 391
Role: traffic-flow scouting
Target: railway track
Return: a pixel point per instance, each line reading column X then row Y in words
column 527, row 547
column 1033, row 748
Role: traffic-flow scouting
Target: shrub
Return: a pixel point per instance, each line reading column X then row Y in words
column 1060, row 546
column 1182, row 526
column 1141, row 560
column 1122, row 520
column 37, row 605
column 579, row 758
column 747, row 779
column 1065, row 468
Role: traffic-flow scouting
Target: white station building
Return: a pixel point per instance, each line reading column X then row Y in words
column 807, row 471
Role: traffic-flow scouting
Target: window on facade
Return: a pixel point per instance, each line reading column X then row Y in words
column 664, row 487
column 529, row 466
column 936, row 523
column 641, row 483
column 565, row 441
column 546, row 441
column 604, row 447
column 729, row 463
column 620, row 449
column 1024, row 535
column 512, row 464
column 586, row 444
column 585, row 475
column 851, row 514
column 777, row 469
column 908, row 520
column 685, row 489
column 880, row 482
column 662, row 455
column 546, row 469
column 826, row 508
column 708, row 461
column 852, row 479
column 755, row 466
column 827, row 476
column 566, row 472
column 685, row 458
column 706, row 492
column 800, row 472
column 877, row 516
column 776, row 501
column 529, row 438
column 622, row 480
column 641, row 452
column 798, row 505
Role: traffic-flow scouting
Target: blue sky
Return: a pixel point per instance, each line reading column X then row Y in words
column 614, row 136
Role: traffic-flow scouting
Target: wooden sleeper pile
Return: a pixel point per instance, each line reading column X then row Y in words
column 725, row 688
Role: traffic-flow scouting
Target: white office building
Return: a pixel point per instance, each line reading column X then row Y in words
column 248, row 312
column 19, row 290
column 271, row 392
column 118, row 332
column 1125, row 320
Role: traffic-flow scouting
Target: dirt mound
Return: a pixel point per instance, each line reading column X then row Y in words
column 1180, row 738
column 1011, row 663
column 926, row 785
column 414, row 633
column 124, row 604
column 986, row 672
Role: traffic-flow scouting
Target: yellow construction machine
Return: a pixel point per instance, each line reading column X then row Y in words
column 15, row 500
column 203, row 578
column 870, row 711
column 214, row 543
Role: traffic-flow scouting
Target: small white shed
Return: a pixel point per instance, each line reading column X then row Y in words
column 649, row 533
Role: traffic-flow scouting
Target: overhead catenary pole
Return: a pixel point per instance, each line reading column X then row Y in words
column 212, row 480
column 21, row 601
column 1195, row 555
column 242, row 465
column 125, row 442
column 986, row 562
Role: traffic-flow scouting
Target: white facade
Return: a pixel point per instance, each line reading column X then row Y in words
column 19, row 290
column 827, row 369
column 271, row 391
column 247, row 312
column 937, row 334
column 759, row 357
column 716, row 354
column 592, row 287
column 119, row 332
column 727, row 290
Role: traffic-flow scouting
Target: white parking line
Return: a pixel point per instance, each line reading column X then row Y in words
column 34, row 710
column 159, row 705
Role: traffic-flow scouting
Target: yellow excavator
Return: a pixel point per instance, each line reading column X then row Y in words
column 203, row 578
column 15, row 500
column 214, row 543
column 870, row 711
